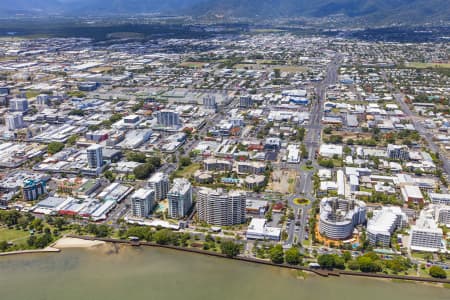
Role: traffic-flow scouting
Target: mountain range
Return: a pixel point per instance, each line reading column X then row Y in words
column 414, row 11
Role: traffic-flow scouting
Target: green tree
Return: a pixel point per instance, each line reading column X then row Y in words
column 55, row 147
column 136, row 157
column 276, row 254
column 367, row 264
column 326, row 261
column 72, row 140
column 437, row 272
column 143, row 171
column 163, row 236
column 110, row 176
column 155, row 161
column 346, row 255
column 103, row 230
column 304, row 151
column 3, row 246
column 230, row 248
column 185, row 161
column 292, row 256
column 353, row 265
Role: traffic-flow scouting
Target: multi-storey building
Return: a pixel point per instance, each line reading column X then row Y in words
column 14, row 121
column 18, row 104
column 426, row 235
column 217, row 207
column 339, row 217
column 159, row 182
column 400, row 152
column 168, row 118
column 180, row 198
column 32, row 189
column 95, row 156
column 142, row 202
column 383, row 224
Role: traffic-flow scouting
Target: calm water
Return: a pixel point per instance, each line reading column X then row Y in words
column 159, row 274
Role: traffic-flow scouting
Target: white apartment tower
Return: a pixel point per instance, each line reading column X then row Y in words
column 159, row 182
column 142, row 202
column 180, row 198
column 217, row 207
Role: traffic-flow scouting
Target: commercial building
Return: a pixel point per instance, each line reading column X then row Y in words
column 411, row 194
column 251, row 167
column 245, row 101
column 293, row 154
column 168, row 118
column 258, row 230
column 256, row 207
column 221, row 208
column 254, row 181
column 383, row 224
column 439, row 198
column 339, row 217
column 142, row 202
column 442, row 214
column 209, row 102
column 43, row 99
column 95, row 156
column 14, row 121
column 426, row 235
column 18, row 104
column 180, row 198
column 399, row 152
column 32, row 189
column 215, row 165
column 159, row 182
column 330, row 150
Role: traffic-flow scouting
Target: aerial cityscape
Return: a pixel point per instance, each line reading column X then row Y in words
column 272, row 148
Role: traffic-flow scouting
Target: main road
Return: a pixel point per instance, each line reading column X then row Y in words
column 424, row 133
column 304, row 187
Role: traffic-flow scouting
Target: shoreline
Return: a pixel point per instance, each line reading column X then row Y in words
column 320, row 272
column 87, row 242
column 57, row 246
column 49, row 249
column 72, row 242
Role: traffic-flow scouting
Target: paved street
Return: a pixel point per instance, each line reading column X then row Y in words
column 304, row 186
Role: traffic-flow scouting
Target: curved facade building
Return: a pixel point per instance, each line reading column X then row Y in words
column 339, row 217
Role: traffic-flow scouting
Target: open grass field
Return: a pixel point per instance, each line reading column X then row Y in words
column 192, row 64
column 418, row 65
column 7, row 58
column 12, row 235
column 186, row 172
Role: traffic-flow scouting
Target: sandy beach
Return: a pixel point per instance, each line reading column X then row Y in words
column 68, row 242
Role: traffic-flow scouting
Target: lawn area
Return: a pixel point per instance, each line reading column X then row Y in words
column 7, row 58
column 419, row 65
column 186, row 172
column 306, row 243
column 421, row 255
column 192, row 64
column 11, row 235
column 337, row 162
column 306, row 168
column 32, row 94
column 292, row 182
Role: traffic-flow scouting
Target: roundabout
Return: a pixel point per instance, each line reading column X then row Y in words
column 301, row 201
